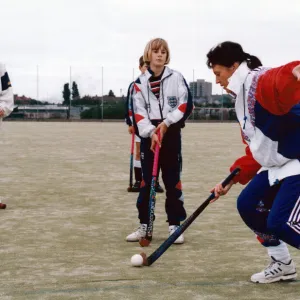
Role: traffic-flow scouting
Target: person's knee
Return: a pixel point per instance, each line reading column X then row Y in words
column 138, row 155
column 138, row 151
column 243, row 205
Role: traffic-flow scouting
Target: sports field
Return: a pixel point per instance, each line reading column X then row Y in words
column 68, row 213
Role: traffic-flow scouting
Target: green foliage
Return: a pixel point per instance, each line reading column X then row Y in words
column 232, row 114
column 75, row 91
column 66, row 94
column 97, row 100
column 227, row 101
column 111, row 93
column 31, row 102
column 110, row 111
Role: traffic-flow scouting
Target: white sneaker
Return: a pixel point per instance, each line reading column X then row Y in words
column 276, row 271
column 139, row 233
column 180, row 239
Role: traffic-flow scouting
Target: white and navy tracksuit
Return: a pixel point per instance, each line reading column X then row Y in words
column 128, row 110
column 268, row 110
column 172, row 106
column 6, row 93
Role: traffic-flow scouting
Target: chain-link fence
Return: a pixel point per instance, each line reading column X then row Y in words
column 213, row 114
column 39, row 93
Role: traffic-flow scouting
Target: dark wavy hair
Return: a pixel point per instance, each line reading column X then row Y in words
column 227, row 53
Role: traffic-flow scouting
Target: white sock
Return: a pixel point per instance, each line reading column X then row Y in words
column 137, row 163
column 280, row 252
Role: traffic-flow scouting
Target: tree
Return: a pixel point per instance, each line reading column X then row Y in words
column 75, row 91
column 66, row 94
column 111, row 93
column 114, row 111
column 228, row 101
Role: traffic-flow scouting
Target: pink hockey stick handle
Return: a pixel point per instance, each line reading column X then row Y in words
column 156, row 157
column 132, row 143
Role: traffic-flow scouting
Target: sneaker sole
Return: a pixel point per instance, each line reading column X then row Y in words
column 178, row 243
column 288, row 277
column 133, row 241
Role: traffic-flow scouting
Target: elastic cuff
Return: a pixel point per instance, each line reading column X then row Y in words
column 152, row 132
column 167, row 122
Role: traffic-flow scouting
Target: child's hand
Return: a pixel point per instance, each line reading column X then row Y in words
column 154, row 140
column 162, row 127
column 2, row 112
column 131, row 129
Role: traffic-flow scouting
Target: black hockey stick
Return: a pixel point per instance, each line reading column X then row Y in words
column 145, row 241
column 129, row 189
column 148, row 261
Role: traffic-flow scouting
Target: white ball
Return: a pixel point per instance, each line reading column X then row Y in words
column 137, row 260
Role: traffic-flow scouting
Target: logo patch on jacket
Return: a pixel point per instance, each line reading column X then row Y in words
column 172, row 101
column 245, row 137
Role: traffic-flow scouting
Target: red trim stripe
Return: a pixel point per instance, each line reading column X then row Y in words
column 182, row 107
column 155, row 83
column 260, row 239
column 137, row 89
column 138, row 118
column 178, row 185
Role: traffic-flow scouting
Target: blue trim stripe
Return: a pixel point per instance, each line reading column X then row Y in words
column 190, row 104
column 284, row 129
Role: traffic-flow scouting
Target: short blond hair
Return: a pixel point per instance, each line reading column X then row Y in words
column 156, row 44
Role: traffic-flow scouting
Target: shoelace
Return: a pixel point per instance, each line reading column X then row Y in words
column 270, row 266
column 268, row 270
column 141, row 229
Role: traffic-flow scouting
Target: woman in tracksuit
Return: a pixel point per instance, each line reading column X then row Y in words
column 161, row 102
column 268, row 110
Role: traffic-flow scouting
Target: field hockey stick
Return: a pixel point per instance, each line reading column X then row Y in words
column 131, row 163
column 170, row 240
column 145, row 241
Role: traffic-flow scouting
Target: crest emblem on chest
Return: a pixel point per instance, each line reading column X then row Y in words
column 172, row 101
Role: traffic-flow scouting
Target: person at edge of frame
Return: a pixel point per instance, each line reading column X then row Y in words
column 128, row 118
column 6, row 100
column 161, row 102
column 268, row 110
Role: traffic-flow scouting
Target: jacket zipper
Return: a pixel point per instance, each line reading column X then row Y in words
column 162, row 91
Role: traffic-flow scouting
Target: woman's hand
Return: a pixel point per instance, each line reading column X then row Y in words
column 220, row 191
column 296, row 72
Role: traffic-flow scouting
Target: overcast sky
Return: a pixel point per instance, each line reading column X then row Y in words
column 91, row 34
